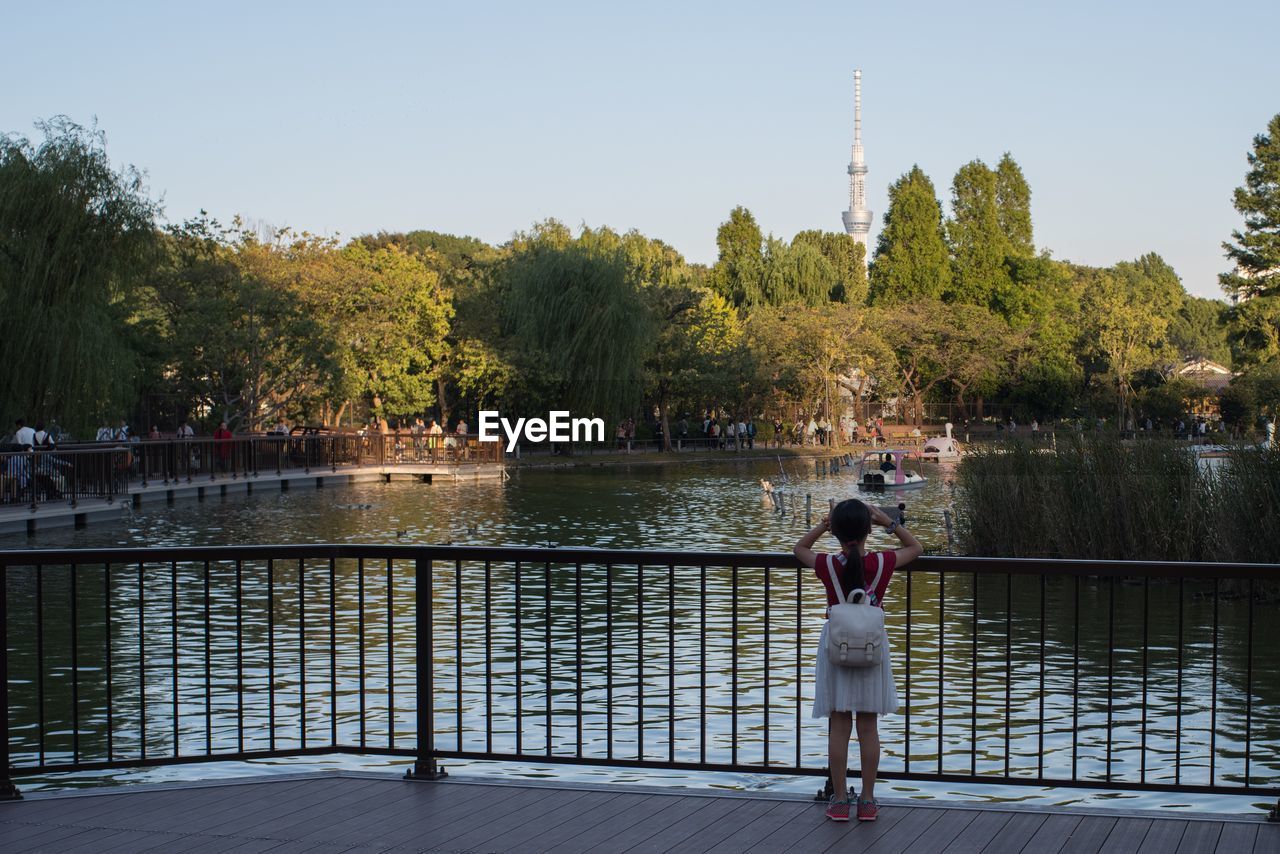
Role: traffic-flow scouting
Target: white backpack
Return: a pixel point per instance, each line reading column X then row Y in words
column 855, row 627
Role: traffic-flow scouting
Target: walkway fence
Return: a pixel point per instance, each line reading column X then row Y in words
column 75, row 472
column 1103, row 675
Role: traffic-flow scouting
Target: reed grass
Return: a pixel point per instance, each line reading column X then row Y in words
column 1098, row 499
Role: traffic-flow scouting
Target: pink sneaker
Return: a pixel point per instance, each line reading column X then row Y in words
column 837, row 810
column 867, row 810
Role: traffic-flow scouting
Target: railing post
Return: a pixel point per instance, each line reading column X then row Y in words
column 8, row 791
column 424, row 765
column 31, row 477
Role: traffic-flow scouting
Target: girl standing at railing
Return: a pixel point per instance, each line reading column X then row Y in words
column 841, row 692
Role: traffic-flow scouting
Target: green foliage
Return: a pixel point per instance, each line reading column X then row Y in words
column 795, row 273
column 1198, row 330
column 1258, row 391
column 804, row 351
column 1013, row 207
column 576, row 305
column 388, row 317
column 240, row 342
column 738, row 272
column 1170, row 400
column 1238, row 405
column 1128, row 309
column 1256, row 250
column 911, row 259
column 935, row 344
column 848, row 262
column 1255, row 331
column 76, row 242
column 697, row 350
column 977, row 239
column 1042, row 307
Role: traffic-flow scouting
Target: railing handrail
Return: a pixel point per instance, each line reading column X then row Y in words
column 627, row 557
column 652, row 611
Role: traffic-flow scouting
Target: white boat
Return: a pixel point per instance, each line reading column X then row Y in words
column 887, row 469
column 941, row 448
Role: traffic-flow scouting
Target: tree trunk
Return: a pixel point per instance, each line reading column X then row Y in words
column 442, row 401
column 666, row 425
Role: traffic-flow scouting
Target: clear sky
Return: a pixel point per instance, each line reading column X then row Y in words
column 1130, row 120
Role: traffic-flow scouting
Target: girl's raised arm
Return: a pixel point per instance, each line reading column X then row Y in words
column 911, row 548
column 803, row 549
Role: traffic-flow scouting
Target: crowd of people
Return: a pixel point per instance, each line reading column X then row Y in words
column 740, row 433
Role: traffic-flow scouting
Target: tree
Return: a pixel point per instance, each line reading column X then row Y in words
column 738, row 272
column 386, row 315
column 1128, row 309
column 1042, row 307
column 242, row 343
column 933, row 344
column 77, row 239
column 576, row 308
column 977, row 239
column 1013, row 207
column 1198, row 330
column 698, row 336
column 1255, row 331
column 796, row 273
column 807, row 352
column 1256, row 250
column 911, row 260
column 848, row 262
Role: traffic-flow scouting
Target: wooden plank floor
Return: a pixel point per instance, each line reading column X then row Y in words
column 347, row 812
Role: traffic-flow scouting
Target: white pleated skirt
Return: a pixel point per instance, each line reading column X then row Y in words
column 853, row 689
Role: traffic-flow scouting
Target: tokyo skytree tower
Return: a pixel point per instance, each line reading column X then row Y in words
column 857, row 219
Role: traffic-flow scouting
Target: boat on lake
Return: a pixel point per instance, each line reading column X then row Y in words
column 887, row 469
column 940, row 449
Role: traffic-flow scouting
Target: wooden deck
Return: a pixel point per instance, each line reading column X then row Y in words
column 365, row 812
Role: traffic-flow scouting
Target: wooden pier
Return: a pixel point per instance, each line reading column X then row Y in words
column 19, row 518
column 353, row 811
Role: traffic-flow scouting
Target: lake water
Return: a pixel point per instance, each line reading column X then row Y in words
column 706, row 506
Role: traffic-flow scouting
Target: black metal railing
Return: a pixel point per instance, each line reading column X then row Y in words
column 111, row 470
column 1110, row 675
column 32, row 478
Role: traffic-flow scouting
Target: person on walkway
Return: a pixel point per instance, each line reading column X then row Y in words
column 43, row 438
column 841, row 692
column 222, row 445
column 22, row 434
column 186, row 431
column 751, row 434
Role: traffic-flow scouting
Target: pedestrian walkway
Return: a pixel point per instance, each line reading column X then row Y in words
column 334, row 812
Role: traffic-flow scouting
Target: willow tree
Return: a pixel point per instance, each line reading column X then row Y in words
column 577, row 311
column 76, row 238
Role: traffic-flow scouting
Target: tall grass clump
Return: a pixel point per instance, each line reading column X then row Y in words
column 1243, row 494
column 1090, row 499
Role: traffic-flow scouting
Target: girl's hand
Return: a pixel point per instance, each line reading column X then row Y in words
column 878, row 516
column 826, row 522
